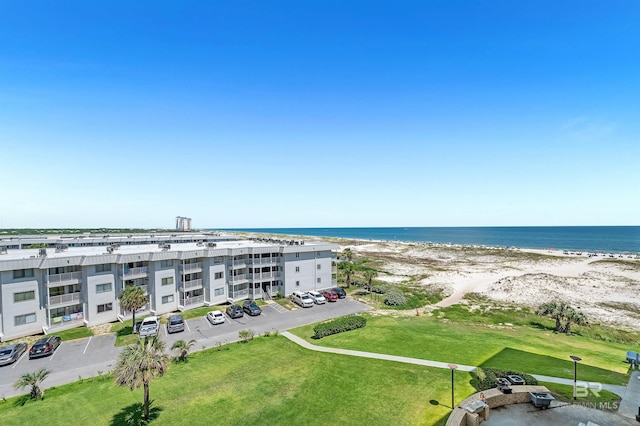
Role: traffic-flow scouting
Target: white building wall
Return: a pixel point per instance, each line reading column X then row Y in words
column 164, row 291
column 218, row 286
column 11, row 309
column 94, row 299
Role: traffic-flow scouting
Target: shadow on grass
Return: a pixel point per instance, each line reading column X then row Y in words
column 541, row 326
column 21, row 400
column 530, row 363
column 132, row 415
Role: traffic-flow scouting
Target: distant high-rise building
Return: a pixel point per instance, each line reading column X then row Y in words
column 183, row 223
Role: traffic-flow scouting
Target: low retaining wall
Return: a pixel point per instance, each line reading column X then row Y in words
column 494, row 398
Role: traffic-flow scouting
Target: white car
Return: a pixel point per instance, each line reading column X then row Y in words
column 149, row 327
column 318, row 299
column 215, row 317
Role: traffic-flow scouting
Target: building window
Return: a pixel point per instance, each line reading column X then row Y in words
column 105, row 307
column 218, row 291
column 167, row 299
column 24, row 296
column 297, row 269
column 103, row 288
column 105, row 267
column 24, row 319
column 319, row 266
column 297, row 283
column 218, row 275
column 22, row 273
column 166, row 263
column 319, row 280
column 167, row 281
column 297, row 254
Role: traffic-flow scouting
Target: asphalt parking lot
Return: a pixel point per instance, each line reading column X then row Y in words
column 90, row 356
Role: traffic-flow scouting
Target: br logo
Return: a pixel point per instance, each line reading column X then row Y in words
column 584, row 389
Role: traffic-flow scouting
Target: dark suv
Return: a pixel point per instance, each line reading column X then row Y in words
column 44, row 346
column 175, row 324
column 340, row 291
column 251, row 308
column 235, row 311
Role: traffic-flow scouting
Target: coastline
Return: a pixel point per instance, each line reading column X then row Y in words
column 606, row 289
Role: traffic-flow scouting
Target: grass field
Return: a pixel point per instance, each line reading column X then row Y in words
column 268, row 381
column 527, row 349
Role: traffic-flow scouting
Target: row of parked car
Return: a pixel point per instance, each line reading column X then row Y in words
column 234, row 311
column 42, row 347
column 310, row 298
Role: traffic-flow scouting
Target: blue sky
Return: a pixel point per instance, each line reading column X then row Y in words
column 302, row 114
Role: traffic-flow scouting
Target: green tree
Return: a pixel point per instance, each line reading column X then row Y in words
column 132, row 299
column 554, row 310
column 35, row 381
column 347, row 269
column 139, row 364
column 573, row 316
column 347, row 254
column 369, row 275
column 183, row 349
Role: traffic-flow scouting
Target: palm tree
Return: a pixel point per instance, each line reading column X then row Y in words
column 575, row 316
column 369, row 275
column 183, row 349
column 347, row 254
column 35, row 381
column 132, row 299
column 347, row 269
column 555, row 310
column 140, row 363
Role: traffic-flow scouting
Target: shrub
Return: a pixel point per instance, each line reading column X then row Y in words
column 246, row 335
column 488, row 377
column 394, row 298
column 379, row 288
column 338, row 325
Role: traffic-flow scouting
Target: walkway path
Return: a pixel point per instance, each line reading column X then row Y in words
column 630, row 394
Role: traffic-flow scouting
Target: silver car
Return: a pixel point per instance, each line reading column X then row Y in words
column 11, row 353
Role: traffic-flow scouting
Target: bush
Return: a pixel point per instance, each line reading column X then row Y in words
column 379, row 288
column 488, row 377
column 246, row 335
column 394, row 298
column 338, row 325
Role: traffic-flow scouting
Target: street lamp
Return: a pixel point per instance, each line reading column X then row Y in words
column 453, row 368
column 575, row 373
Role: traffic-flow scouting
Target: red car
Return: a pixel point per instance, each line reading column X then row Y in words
column 330, row 295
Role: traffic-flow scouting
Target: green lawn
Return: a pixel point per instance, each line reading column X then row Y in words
column 268, row 381
column 527, row 349
column 73, row 333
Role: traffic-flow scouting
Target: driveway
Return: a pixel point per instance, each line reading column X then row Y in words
column 90, row 356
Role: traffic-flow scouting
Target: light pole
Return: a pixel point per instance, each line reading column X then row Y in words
column 453, row 369
column 575, row 374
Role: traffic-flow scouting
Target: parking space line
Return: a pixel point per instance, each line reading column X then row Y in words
column 187, row 324
column 166, row 330
column 20, row 359
column 208, row 322
column 57, row 349
column 85, row 348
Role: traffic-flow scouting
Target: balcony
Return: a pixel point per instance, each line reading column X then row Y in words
column 134, row 272
column 264, row 275
column 192, row 284
column 265, row 260
column 191, row 268
column 66, row 278
column 240, row 277
column 239, row 294
column 67, row 321
column 64, row 299
column 240, row 262
column 194, row 300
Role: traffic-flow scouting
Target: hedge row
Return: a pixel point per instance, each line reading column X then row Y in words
column 488, row 377
column 338, row 325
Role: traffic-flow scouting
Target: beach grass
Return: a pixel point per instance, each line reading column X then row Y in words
column 522, row 348
column 269, row 381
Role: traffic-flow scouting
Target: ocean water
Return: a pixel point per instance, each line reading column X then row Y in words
column 608, row 239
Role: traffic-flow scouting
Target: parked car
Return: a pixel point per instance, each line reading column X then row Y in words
column 318, row 299
column 175, row 323
column 251, row 307
column 10, row 353
column 44, row 346
column 302, row 299
column 149, row 327
column 235, row 311
column 340, row 292
column 215, row 317
column 330, row 295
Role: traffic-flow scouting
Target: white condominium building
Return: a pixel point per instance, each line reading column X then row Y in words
column 76, row 281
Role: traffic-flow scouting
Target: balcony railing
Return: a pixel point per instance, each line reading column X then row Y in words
column 64, row 298
column 240, row 277
column 194, row 267
column 264, row 275
column 67, row 276
column 70, row 320
column 240, row 294
column 240, row 262
column 193, row 283
column 194, row 300
column 264, row 260
column 128, row 272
